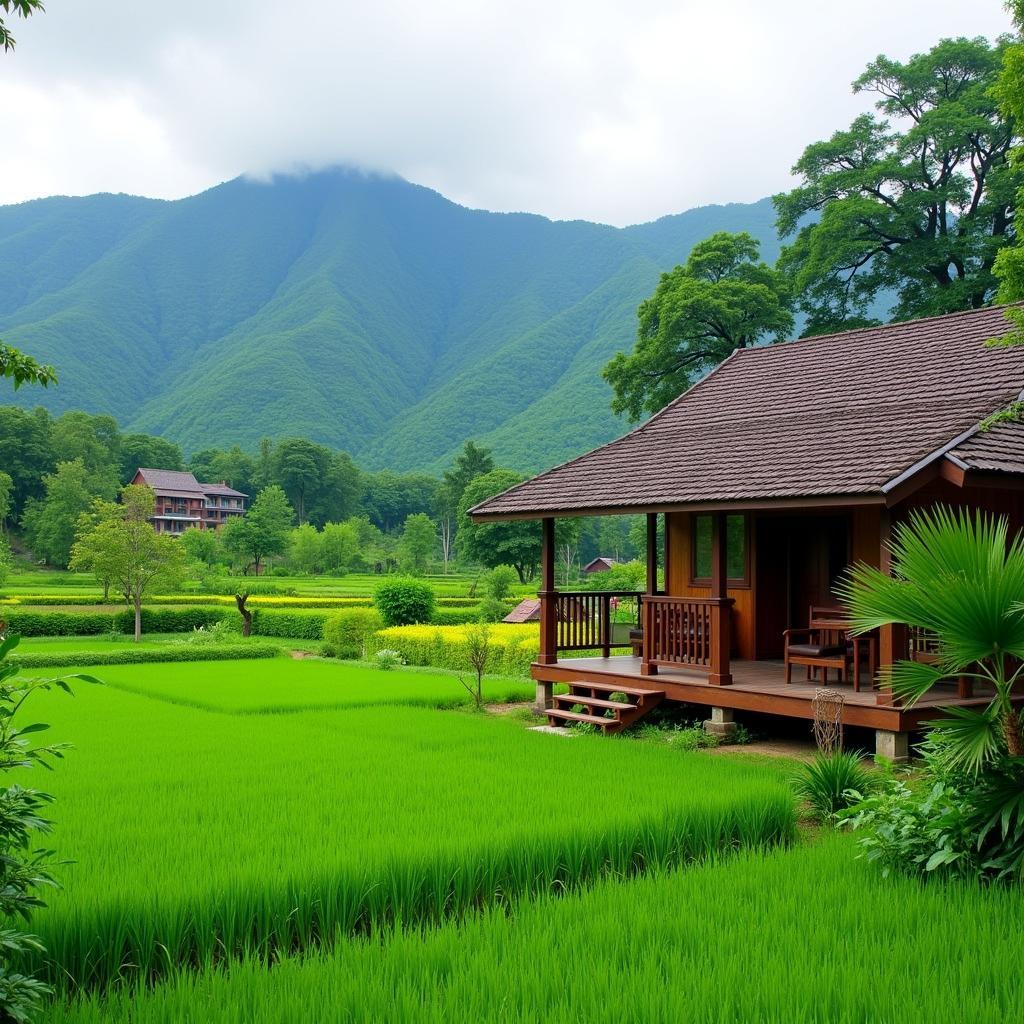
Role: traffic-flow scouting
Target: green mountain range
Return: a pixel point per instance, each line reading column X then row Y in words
column 360, row 311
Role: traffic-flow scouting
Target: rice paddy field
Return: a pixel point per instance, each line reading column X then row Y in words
column 790, row 936
column 199, row 836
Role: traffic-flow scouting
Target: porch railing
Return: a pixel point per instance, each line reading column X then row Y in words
column 595, row 619
column 687, row 632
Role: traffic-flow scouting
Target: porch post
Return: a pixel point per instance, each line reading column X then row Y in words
column 721, row 639
column 548, row 654
column 652, row 553
column 892, row 640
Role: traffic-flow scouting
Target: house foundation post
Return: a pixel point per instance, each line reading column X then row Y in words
column 892, row 745
column 545, row 696
column 548, row 653
column 722, row 722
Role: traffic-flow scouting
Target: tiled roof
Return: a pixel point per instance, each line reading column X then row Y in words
column 831, row 416
column 525, row 611
column 222, row 489
column 165, row 481
column 1000, row 449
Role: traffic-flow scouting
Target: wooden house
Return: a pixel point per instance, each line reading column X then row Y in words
column 599, row 564
column 183, row 502
column 774, row 473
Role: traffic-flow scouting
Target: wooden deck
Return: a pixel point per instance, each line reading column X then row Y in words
column 759, row 686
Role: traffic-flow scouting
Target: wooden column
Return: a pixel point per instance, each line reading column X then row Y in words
column 892, row 640
column 652, row 552
column 721, row 620
column 548, row 653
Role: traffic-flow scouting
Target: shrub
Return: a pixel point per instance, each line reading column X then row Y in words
column 387, row 659
column 345, row 632
column 146, row 655
column 513, row 647
column 459, row 616
column 833, row 782
column 154, row 620
column 498, row 583
column 492, row 609
column 404, row 601
column 302, row 625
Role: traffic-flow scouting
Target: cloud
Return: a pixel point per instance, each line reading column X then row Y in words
column 619, row 112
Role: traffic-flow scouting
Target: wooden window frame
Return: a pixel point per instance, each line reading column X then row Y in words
column 733, row 582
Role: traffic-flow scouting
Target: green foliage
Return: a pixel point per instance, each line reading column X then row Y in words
column 23, row 9
column 417, row 544
column 959, row 576
column 305, row 549
column 5, row 559
column 498, row 583
column 304, row 625
column 49, row 524
column 144, row 450
column 625, row 576
column 386, row 659
column 724, row 298
column 201, row 545
column 515, row 543
column 142, row 656
column 478, row 655
column 487, row 610
column 25, row 454
column 404, row 601
column 154, row 620
column 262, row 531
column 93, row 441
column 345, row 632
column 917, row 200
column 833, row 782
column 443, row 647
column 14, row 365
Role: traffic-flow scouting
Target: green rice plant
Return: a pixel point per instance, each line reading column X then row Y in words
column 833, row 782
column 787, row 937
column 197, row 837
column 138, row 655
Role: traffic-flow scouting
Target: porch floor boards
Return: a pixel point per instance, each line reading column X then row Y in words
column 761, row 686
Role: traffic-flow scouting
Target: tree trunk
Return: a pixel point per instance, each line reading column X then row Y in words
column 1011, row 730
column 138, row 618
column 106, row 591
column 240, row 600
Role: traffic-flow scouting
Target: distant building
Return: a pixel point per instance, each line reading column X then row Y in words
column 183, row 502
column 525, row 611
column 600, row 564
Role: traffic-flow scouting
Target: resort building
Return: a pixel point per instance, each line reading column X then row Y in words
column 774, row 473
column 183, row 502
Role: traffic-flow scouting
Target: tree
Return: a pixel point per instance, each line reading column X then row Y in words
column 724, row 298
column 916, row 200
column 21, row 8
column 418, row 543
column 305, row 548
column 389, row 498
column 15, row 365
column 340, row 546
column 515, row 543
column 138, row 450
column 5, row 559
column 124, row 548
column 49, row 524
column 6, row 499
column 95, row 441
column 567, row 541
column 235, row 467
column 471, row 462
column 961, row 578
column 298, row 467
column 447, row 509
column 478, row 654
column 201, row 545
column 25, row 453
column 263, row 530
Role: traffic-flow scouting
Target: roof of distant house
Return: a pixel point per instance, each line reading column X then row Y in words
column 843, row 416
column 177, row 484
column 600, row 563
column 222, row 488
column 525, row 611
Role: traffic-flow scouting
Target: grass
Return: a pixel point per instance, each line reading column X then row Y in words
column 58, row 645
column 291, row 685
column 199, row 836
column 789, row 937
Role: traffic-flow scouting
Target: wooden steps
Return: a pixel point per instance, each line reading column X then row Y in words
column 598, row 707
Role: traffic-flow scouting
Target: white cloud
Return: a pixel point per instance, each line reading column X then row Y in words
column 610, row 111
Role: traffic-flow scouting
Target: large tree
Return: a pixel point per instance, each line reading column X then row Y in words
column 913, row 202
column 49, row 524
column 723, row 298
column 25, row 452
column 138, row 450
column 121, row 546
column 418, row 543
column 95, row 441
column 263, row 530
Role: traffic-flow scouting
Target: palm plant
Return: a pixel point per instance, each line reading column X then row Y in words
column 961, row 577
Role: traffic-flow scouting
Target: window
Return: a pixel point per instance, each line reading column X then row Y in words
column 735, row 549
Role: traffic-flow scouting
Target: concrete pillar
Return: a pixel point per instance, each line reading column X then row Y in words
column 722, row 722
column 893, row 745
column 545, row 696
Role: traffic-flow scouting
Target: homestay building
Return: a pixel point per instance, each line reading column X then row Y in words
column 183, row 502
column 774, row 473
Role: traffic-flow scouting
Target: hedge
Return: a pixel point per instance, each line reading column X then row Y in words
column 455, row 616
column 514, row 647
column 345, row 631
column 296, row 625
column 220, row 600
column 172, row 652
column 154, row 620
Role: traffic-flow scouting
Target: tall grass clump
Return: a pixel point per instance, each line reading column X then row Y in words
column 833, row 782
column 198, row 837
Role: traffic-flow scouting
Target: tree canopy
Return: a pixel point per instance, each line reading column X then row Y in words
column 723, row 298
column 914, row 201
column 263, row 530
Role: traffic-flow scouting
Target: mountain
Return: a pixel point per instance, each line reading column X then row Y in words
column 361, row 311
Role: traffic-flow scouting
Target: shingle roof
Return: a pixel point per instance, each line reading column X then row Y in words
column 222, row 489
column 831, row 416
column 1000, row 449
column 169, row 480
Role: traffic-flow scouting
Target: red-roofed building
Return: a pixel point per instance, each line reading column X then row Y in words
column 183, row 502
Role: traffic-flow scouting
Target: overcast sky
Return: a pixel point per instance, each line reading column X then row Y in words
column 612, row 111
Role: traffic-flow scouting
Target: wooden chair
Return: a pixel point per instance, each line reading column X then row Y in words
column 821, row 645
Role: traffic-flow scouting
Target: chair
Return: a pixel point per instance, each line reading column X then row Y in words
column 821, row 645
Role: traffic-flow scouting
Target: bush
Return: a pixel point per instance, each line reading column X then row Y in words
column 404, row 601
column 498, row 583
column 154, row 620
column 492, row 609
column 345, row 632
column 300, row 625
column 459, row 616
column 833, row 782
column 387, row 659
column 514, row 647
column 145, row 655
